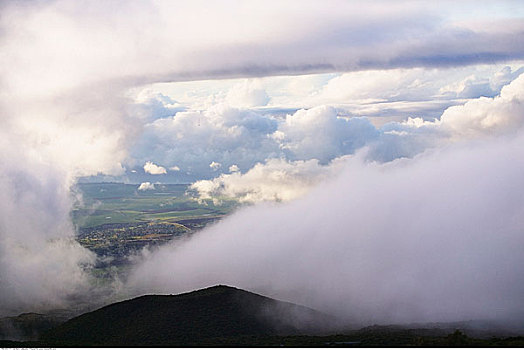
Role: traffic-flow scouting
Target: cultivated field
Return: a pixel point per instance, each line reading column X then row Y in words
column 116, row 220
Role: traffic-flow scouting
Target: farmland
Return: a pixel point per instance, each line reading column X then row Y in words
column 115, row 220
column 116, row 203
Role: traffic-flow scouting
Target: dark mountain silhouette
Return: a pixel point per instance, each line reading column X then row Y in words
column 224, row 316
column 191, row 318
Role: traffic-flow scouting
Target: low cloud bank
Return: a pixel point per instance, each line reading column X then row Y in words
column 437, row 238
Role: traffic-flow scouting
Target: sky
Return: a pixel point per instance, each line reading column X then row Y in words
column 291, row 106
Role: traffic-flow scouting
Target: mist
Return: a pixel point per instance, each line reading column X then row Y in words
column 435, row 238
column 46, row 146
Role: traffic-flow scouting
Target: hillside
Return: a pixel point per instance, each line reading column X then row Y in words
column 185, row 319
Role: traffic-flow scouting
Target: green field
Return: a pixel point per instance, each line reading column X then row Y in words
column 116, row 203
column 115, row 220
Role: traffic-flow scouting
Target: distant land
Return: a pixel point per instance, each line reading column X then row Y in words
column 117, row 220
column 119, row 203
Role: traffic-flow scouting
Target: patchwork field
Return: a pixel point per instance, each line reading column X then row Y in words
column 117, row 203
column 115, row 220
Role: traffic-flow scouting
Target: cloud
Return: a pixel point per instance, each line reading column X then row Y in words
column 40, row 262
column 274, row 180
column 247, row 94
column 313, row 133
column 52, row 133
column 435, row 238
column 174, row 168
column 234, row 42
column 244, row 137
column 154, row 169
column 228, row 136
column 215, row 139
column 152, row 105
column 488, row 116
column 145, row 186
column 221, row 134
column 380, row 92
column 47, row 143
column 215, row 165
column 319, row 133
column 234, row 168
column 381, row 95
column 381, row 85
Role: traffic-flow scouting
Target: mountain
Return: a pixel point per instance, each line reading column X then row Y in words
column 193, row 318
column 224, row 316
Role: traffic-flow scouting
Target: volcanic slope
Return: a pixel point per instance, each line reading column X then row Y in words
column 193, row 318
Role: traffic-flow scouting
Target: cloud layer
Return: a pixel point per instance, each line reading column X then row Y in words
column 93, row 43
column 311, row 138
column 436, row 238
column 370, row 108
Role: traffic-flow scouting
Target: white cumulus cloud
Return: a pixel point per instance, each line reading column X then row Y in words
column 154, row 169
column 234, row 168
column 247, row 94
column 273, row 180
column 215, row 165
column 319, row 134
column 145, row 186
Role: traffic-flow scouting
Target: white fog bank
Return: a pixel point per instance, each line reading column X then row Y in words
column 437, row 238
